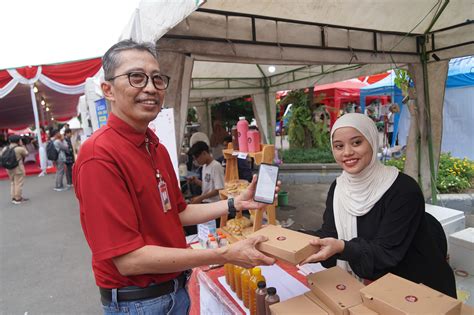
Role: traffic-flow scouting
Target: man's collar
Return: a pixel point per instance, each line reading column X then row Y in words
column 130, row 133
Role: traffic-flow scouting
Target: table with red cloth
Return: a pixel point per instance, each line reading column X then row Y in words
column 202, row 278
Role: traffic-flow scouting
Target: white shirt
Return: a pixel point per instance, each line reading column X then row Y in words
column 212, row 178
column 391, row 121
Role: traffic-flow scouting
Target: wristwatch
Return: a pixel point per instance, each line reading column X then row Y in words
column 230, row 204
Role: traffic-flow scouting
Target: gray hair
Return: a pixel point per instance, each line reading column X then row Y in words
column 111, row 59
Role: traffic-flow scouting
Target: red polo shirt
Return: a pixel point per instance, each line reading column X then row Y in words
column 120, row 204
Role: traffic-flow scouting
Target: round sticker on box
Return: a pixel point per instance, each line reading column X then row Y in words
column 340, row 287
column 411, row 298
column 281, row 238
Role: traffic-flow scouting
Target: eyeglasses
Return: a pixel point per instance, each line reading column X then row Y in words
column 140, row 80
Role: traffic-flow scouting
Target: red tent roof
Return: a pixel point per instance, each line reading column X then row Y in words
column 348, row 84
column 59, row 85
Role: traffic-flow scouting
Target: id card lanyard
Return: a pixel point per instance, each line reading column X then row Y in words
column 162, row 187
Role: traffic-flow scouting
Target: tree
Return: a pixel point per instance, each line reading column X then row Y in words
column 303, row 131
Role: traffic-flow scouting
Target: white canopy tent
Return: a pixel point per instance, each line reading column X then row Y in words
column 222, row 50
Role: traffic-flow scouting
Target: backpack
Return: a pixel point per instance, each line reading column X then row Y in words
column 8, row 159
column 51, row 151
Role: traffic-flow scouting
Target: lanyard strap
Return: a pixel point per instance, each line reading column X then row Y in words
column 157, row 171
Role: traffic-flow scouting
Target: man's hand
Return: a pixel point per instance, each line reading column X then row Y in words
column 328, row 247
column 244, row 253
column 245, row 200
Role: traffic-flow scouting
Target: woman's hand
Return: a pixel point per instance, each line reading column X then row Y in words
column 328, row 247
column 245, row 200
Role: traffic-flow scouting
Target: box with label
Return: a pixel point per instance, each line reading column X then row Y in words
column 298, row 305
column 337, row 289
column 285, row 244
column 395, row 295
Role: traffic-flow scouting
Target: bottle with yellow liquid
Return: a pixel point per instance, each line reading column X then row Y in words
column 226, row 273
column 245, row 275
column 231, row 277
column 254, row 280
column 238, row 281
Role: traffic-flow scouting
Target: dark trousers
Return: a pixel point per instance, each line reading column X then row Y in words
column 69, row 173
column 390, row 137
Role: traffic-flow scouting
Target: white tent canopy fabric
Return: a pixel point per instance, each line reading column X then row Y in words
column 369, row 14
column 150, row 21
column 227, row 46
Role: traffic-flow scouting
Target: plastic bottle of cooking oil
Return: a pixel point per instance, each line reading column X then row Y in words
column 254, row 280
column 238, row 281
column 226, row 273
column 231, row 277
column 245, row 275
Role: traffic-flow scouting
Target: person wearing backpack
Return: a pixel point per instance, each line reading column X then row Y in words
column 61, row 147
column 70, row 159
column 12, row 159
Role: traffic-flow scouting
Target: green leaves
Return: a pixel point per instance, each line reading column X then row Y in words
column 303, row 131
column 308, row 156
column 454, row 174
column 402, row 80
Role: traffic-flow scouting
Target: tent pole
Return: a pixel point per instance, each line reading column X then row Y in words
column 424, row 63
column 37, row 124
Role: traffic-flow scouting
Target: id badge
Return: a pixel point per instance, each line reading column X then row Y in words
column 165, row 199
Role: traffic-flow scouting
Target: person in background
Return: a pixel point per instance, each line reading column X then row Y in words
column 392, row 110
column 42, row 152
column 61, row 146
column 212, row 174
column 375, row 220
column 243, row 165
column 126, row 185
column 217, row 137
column 17, row 174
column 69, row 157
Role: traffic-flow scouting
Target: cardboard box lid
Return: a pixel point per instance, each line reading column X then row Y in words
column 336, row 288
column 297, row 305
column 406, row 297
column 285, row 244
column 464, row 238
column 310, row 295
column 361, row 310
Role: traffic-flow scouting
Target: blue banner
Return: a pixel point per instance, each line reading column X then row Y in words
column 101, row 110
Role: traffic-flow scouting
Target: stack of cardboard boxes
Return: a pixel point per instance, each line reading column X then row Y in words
column 335, row 292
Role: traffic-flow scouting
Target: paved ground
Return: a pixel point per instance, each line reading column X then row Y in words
column 45, row 261
column 306, row 204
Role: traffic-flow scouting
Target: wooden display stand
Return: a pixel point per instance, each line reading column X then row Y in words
column 266, row 155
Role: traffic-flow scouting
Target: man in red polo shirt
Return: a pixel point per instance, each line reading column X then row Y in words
column 132, row 211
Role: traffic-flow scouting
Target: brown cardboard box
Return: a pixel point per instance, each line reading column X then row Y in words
column 285, row 244
column 361, row 310
column 395, row 295
column 467, row 310
column 320, row 303
column 297, row 305
column 336, row 288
